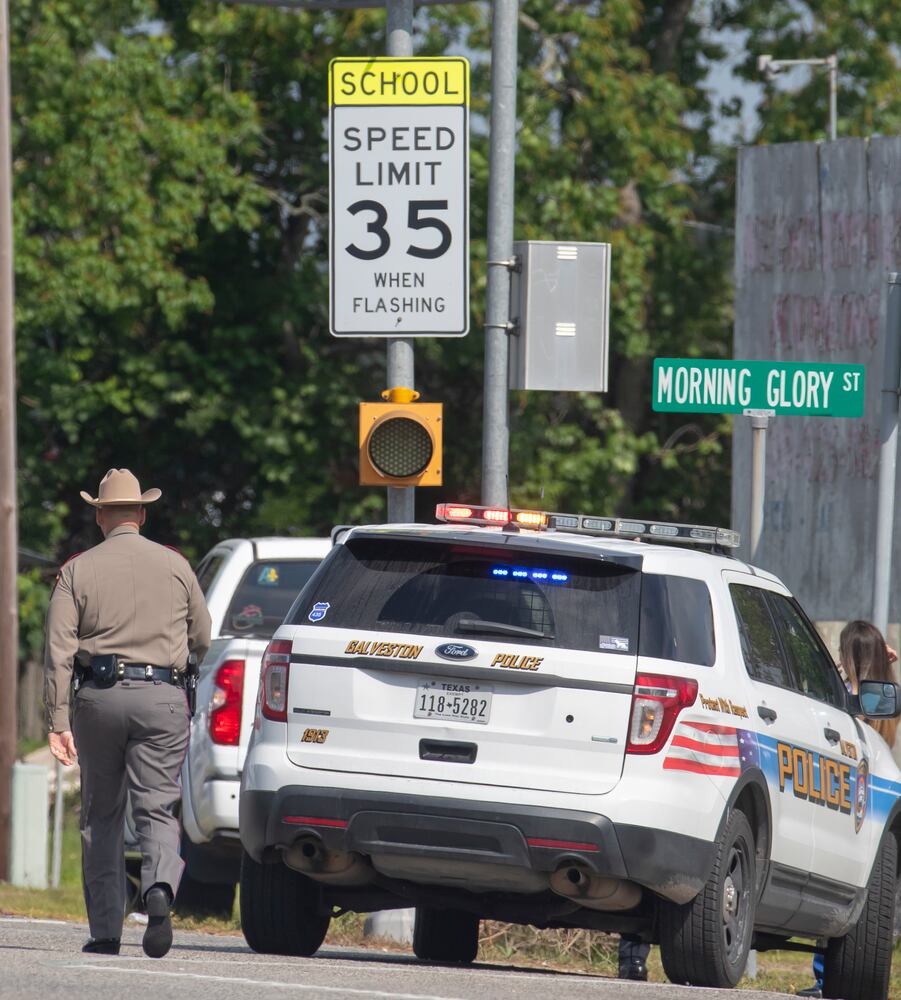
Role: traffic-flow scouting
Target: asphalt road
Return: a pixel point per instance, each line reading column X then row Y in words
column 42, row 960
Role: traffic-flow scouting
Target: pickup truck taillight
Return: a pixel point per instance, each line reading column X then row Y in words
column 274, row 680
column 656, row 703
column 225, row 705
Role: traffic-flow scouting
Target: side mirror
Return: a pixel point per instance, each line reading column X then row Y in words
column 879, row 699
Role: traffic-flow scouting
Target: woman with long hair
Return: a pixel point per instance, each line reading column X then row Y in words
column 863, row 655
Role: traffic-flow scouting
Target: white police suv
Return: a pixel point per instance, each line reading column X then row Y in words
column 568, row 721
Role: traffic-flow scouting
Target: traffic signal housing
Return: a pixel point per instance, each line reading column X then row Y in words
column 400, row 441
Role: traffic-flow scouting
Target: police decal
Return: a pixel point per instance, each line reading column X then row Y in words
column 320, row 610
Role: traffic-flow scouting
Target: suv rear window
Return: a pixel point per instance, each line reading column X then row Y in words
column 445, row 588
column 265, row 596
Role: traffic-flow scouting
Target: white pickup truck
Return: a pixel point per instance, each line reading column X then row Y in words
column 249, row 585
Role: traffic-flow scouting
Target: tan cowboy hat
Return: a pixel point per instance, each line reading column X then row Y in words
column 120, row 486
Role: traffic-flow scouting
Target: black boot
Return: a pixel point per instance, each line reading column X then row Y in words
column 102, row 946
column 158, row 936
column 636, row 969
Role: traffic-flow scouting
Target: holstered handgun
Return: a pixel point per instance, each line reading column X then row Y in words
column 192, row 672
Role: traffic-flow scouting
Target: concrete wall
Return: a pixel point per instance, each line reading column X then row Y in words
column 818, row 227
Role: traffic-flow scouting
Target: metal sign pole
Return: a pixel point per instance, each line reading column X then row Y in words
column 502, row 164
column 758, row 480
column 9, row 602
column 888, row 452
column 399, row 368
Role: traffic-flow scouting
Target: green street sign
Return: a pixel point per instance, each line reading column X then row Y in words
column 697, row 385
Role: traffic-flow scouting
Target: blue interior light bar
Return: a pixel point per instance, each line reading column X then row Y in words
column 528, row 573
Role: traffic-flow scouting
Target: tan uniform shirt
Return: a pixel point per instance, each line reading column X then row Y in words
column 128, row 596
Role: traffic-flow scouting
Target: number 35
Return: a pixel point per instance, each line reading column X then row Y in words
column 415, row 220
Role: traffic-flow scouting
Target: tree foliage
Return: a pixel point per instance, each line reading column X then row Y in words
column 171, row 195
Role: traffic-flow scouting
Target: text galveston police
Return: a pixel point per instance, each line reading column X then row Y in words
column 399, row 148
column 694, row 385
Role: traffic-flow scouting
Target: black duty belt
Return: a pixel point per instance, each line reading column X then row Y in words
column 140, row 672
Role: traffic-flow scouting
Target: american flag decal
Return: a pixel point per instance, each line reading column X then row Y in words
column 704, row 748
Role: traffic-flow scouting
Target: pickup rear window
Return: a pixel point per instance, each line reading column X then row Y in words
column 449, row 589
column 265, row 595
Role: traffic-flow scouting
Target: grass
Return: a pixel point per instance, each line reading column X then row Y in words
column 25, row 747
column 506, row 944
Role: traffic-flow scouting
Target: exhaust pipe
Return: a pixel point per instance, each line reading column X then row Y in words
column 579, row 883
column 578, row 878
column 309, row 856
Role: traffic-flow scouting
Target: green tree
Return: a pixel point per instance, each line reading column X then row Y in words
column 171, row 236
column 607, row 152
column 126, row 161
column 863, row 33
column 171, row 227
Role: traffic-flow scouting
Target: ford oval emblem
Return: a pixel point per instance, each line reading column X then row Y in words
column 456, row 651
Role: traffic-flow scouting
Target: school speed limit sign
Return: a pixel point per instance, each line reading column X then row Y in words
column 399, row 197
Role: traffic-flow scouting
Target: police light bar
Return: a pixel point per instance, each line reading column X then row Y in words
column 586, row 524
column 622, row 527
column 460, row 513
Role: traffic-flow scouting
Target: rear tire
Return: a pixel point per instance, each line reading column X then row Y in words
column 280, row 910
column 705, row 942
column 445, row 935
column 857, row 966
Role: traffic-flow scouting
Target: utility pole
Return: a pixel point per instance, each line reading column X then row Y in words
column 502, row 172
column 888, row 453
column 399, row 361
column 9, row 602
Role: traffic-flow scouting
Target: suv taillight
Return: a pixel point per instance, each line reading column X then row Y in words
column 225, row 705
column 274, row 680
column 656, row 703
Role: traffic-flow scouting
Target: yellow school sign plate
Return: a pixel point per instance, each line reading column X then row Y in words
column 399, row 197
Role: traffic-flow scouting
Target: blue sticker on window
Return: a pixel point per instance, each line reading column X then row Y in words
column 268, row 577
column 320, row 609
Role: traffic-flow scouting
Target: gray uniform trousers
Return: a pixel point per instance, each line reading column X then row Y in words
column 132, row 736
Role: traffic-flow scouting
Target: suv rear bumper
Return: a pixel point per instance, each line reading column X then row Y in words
column 673, row 865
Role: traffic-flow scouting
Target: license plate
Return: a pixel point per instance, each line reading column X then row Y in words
column 455, row 701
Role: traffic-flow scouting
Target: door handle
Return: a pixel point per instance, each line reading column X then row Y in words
column 832, row 735
column 767, row 714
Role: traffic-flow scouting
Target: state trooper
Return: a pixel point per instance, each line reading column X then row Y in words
column 124, row 617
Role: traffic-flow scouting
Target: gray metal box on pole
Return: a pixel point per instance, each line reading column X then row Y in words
column 28, row 842
column 560, row 302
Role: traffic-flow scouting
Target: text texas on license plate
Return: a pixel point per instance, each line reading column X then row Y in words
column 457, row 701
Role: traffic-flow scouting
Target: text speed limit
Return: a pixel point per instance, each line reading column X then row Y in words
column 399, row 207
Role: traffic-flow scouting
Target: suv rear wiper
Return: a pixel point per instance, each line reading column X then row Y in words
column 500, row 628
